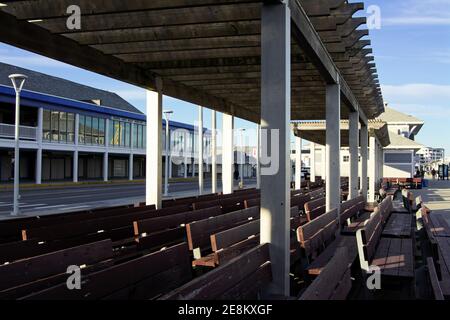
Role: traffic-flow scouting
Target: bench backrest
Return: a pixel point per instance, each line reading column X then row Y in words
column 318, row 193
column 368, row 238
column 300, row 200
column 386, row 208
column 334, row 282
column 351, row 208
column 316, row 234
column 198, row 233
column 173, row 221
column 315, row 208
column 242, row 278
column 434, row 281
column 145, row 277
column 54, row 263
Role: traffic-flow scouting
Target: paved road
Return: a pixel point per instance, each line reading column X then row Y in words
column 52, row 200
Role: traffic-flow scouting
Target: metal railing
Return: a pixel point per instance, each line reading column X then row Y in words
column 25, row 132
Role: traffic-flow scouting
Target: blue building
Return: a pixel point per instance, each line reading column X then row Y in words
column 69, row 131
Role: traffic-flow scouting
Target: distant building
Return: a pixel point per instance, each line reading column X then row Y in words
column 73, row 132
column 400, row 155
column 428, row 156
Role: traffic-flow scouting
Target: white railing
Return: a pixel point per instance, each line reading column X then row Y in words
column 25, row 132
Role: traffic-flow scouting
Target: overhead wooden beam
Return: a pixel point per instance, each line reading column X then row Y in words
column 30, row 37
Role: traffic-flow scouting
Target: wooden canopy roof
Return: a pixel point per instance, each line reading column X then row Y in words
column 206, row 52
column 315, row 131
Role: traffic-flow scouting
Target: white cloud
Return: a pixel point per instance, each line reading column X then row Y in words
column 420, row 99
column 418, row 12
column 30, row 61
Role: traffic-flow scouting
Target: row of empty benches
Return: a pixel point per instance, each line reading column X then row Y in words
column 206, row 247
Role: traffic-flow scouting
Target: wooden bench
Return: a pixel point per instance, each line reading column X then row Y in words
column 146, row 277
column 243, row 278
column 351, row 209
column 198, row 233
column 315, row 208
column 28, row 275
column 334, row 282
column 434, row 281
column 230, row 243
column 394, row 256
column 157, row 232
column 315, row 235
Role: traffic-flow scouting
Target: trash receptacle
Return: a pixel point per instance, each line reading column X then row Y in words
column 424, row 183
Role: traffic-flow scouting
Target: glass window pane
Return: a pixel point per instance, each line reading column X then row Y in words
column 111, row 132
column 55, row 125
column 116, row 133
column 70, row 127
column 144, row 136
column 63, row 127
column 81, row 129
column 95, row 130
column 127, row 134
column 101, row 131
column 135, row 135
column 88, row 130
column 46, row 127
column 140, row 136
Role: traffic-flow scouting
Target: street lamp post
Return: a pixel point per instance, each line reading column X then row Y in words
column 166, row 175
column 242, row 157
column 17, row 80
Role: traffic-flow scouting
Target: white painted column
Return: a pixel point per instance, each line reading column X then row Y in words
column 312, row 161
column 353, row 135
column 153, row 181
column 298, row 163
column 227, row 153
column 213, row 152
column 333, row 147
column 372, row 168
column 39, row 143
column 131, row 156
column 275, row 121
column 200, row 150
column 364, row 152
column 75, row 166
column 105, row 166
column 258, row 154
column 76, row 141
column 130, row 167
column 323, row 163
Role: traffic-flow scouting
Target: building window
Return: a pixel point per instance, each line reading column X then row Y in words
column 101, row 131
column 81, row 137
column 58, row 126
column 70, row 127
column 88, row 130
column 46, row 126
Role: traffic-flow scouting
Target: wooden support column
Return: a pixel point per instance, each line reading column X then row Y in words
column 213, row 153
column 372, row 168
column 298, row 163
column 312, row 162
column 333, row 147
column 258, row 154
column 353, row 135
column 153, row 181
column 275, row 121
column 364, row 152
column 227, row 153
column 200, row 150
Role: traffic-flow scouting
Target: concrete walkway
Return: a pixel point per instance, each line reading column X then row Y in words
column 437, row 195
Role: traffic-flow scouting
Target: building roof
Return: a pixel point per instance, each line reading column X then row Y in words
column 400, row 142
column 44, row 83
column 391, row 116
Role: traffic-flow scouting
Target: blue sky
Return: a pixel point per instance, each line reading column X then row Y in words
column 412, row 53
